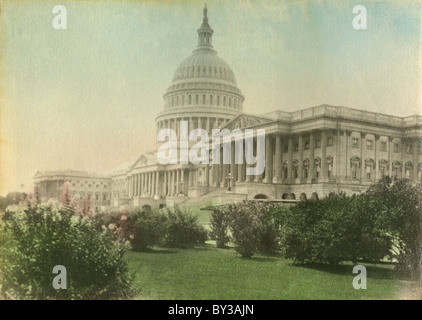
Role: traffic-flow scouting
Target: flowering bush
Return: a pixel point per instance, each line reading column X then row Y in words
column 40, row 237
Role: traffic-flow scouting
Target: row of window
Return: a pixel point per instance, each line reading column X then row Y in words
column 82, row 184
column 89, row 196
column 355, row 167
column 408, row 148
column 204, row 99
column 210, row 72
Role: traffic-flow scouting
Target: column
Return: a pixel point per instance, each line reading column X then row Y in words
column 311, row 155
column 170, row 192
column 233, row 170
column 300, row 164
column 415, row 160
column 177, row 181
column 221, row 169
column 241, row 169
column 323, row 154
column 390, row 156
column 216, row 174
column 226, row 168
column 149, row 183
column 277, row 177
column 337, row 167
column 402, row 158
column 376, row 147
column 257, row 178
column 362, row 157
column 207, row 174
column 191, row 124
column 208, row 124
column 182, row 179
column 142, row 183
column 164, row 190
column 157, row 183
column 268, row 160
column 290, row 158
column 348, row 167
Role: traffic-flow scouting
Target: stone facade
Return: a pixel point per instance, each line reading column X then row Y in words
column 312, row 151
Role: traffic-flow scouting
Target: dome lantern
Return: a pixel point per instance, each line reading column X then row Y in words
column 205, row 32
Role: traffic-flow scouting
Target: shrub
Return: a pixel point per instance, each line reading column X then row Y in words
column 149, row 229
column 252, row 228
column 399, row 204
column 219, row 226
column 40, row 237
column 183, row 230
column 333, row 229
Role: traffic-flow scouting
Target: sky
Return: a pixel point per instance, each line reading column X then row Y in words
column 85, row 98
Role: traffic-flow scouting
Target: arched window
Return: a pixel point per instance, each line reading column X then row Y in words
column 183, row 100
column 211, row 100
column 177, row 100
column 408, row 170
column 190, row 100
column 172, row 101
column 224, row 101
column 295, row 169
column 198, row 71
column 230, row 102
column 355, row 166
column 396, row 166
column 306, row 163
column 218, row 100
column 317, row 164
column 203, row 99
column 196, row 99
column 329, row 166
column 383, row 168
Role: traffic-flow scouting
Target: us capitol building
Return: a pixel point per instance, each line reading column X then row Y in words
column 309, row 152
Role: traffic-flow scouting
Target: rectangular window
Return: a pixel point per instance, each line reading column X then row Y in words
column 369, row 144
column 330, row 142
column 296, row 147
column 354, row 171
column 383, row 146
column 317, row 143
column 286, row 148
column 355, row 142
column 307, row 145
column 396, row 148
column 104, row 197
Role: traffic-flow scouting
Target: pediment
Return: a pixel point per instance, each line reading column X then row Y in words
column 244, row 121
column 144, row 160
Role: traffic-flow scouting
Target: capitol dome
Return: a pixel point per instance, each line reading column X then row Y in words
column 203, row 89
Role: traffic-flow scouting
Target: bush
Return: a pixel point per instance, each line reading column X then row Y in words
column 183, row 230
column 219, row 226
column 149, row 229
column 40, row 237
column 252, row 228
column 334, row 229
column 399, row 204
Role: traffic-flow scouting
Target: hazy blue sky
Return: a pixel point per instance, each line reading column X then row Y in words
column 86, row 97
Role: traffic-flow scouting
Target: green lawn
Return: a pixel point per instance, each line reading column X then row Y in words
column 207, row 272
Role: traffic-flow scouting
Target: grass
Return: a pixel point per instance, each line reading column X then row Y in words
column 206, row 272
